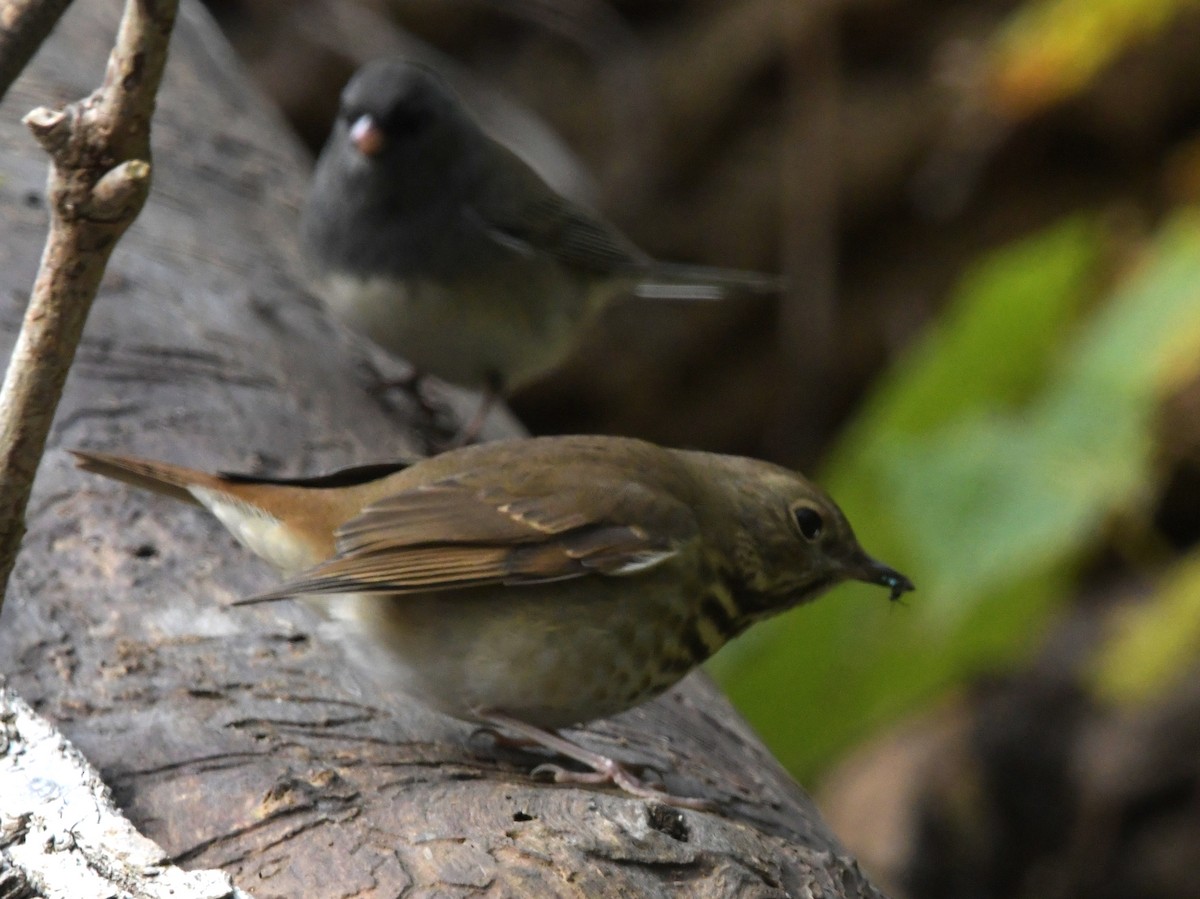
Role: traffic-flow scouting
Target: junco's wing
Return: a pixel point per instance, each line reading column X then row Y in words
column 453, row 534
column 518, row 209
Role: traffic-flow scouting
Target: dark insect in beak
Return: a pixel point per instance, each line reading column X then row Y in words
column 872, row 572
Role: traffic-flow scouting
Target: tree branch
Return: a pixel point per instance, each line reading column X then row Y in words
column 24, row 25
column 100, row 176
column 61, row 835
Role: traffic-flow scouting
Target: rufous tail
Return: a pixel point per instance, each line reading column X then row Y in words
column 169, row 480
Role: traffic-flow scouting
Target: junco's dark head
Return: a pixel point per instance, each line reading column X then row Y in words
column 398, row 116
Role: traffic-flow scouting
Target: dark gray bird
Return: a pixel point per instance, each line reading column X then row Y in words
column 446, row 249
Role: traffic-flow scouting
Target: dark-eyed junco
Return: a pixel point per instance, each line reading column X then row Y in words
column 445, row 248
column 533, row 584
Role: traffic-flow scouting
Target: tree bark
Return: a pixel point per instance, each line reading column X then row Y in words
column 238, row 738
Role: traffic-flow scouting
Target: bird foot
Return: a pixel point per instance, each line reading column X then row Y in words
column 604, row 770
column 436, row 412
column 470, row 431
column 442, row 426
column 447, row 432
column 613, row 772
column 410, row 383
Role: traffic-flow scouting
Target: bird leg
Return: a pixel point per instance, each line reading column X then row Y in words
column 604, row 769
column 493, row 390
column 501, row 739
column 471, row 430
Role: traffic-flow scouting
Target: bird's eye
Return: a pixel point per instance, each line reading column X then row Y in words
column 410, row 119
column 809, row 521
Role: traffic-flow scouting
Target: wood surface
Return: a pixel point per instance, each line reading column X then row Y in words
column 239, row 738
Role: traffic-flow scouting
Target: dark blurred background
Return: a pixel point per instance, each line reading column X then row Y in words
column 836, row 143
column 989, row 350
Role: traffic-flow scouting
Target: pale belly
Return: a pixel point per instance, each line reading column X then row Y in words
column 468, row 335
column 550, row 662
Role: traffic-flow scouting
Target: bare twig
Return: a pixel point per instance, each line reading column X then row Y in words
column 24, row 25
column 99, row 179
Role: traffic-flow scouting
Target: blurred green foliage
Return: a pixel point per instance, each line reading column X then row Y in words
column 1155, row 642
column 989, row 464
column 1051, row 49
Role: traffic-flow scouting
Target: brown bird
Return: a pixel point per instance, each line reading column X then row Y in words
column 539, row 583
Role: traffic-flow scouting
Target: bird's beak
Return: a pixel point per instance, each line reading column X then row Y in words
column 366, row 136
column 870, row 571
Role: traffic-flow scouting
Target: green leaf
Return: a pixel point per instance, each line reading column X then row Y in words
column 1154, row 644
column 986, row 465
column 1051, row 49
column 996, row 341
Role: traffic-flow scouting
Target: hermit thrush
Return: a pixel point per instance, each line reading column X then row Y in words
column 538, row 583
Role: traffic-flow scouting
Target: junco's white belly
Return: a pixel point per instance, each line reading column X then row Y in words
column 467, row 334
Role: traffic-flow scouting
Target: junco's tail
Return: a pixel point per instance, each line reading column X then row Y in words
column 669, row 281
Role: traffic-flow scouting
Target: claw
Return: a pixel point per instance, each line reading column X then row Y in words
column 560, row 775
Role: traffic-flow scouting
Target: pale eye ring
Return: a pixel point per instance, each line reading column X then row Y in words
column 809, row 521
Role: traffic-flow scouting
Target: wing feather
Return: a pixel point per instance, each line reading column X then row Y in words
column 452, row 535
column 520, row 210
